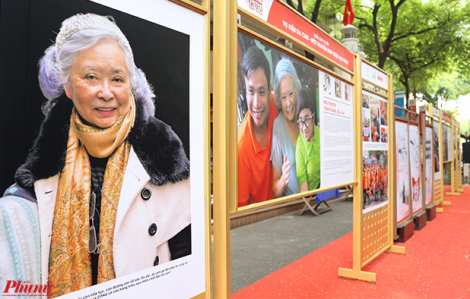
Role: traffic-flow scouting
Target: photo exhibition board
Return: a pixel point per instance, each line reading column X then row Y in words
column 375, row 151
column 428, row 168
column 436, row 149
column 447, row 143
column 295, row 126
column 415, row 169
column 170, row 51
column 402, row 170
column 190, row 269
column 456, row 157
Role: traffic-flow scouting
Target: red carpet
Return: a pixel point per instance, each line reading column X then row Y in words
column 436, row 265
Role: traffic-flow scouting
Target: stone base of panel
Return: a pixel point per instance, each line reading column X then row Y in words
column 420, row 220
column 405, row 231
column 430, row 213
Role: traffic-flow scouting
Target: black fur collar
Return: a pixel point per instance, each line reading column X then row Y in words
column 159, row 149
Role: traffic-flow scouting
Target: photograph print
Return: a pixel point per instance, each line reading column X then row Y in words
column 436, row 149
column 415, row 169
column 366, row 124
column 375, row 180
column 279, row 134
column 402, row 170
column 375, row 119
column 337, row 88
column 101, row 169
column 365, row 101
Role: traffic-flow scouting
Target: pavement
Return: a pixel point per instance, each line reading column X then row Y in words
column 261, row 248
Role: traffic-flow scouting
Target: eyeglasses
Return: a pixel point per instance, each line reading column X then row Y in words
column 93, row 245
column 305, row 122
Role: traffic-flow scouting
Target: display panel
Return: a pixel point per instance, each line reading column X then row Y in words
column 415, row 169
column 447, row 143
column 456, row 157
column 176, row 71
column 403, row 173
column 289, row 125
column 375, row 151
column 436, row 150
column 429, row 156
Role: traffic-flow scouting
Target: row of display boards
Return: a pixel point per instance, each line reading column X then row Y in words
column 284, row 127
column 431, row 140
column 357, row 140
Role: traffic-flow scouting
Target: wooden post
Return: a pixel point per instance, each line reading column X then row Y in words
column 224, row 46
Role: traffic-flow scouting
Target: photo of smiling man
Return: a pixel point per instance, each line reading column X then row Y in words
column 255, row 133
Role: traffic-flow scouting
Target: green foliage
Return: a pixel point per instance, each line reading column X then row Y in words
column 417, row 41
column 448, row 87
column 465, row 126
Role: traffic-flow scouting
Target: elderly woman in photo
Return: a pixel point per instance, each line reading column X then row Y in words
column 285, row 129
column 108, row 181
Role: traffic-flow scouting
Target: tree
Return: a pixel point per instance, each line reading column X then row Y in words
column 446, row 87
column 388, row 23
column 430, row 50
column 413, row 39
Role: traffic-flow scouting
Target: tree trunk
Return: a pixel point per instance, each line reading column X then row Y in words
column 315, row 12
column 290, row 3
column 406, row 83
column 300, row 8
column 314, row 18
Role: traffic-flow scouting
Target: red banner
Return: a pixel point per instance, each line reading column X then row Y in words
column 286, row 20
column 412, row 116
column 447, row 117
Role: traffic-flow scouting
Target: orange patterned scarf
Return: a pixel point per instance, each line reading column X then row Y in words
column 69, row 260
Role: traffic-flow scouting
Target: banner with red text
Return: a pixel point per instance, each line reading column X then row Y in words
column 288, row 21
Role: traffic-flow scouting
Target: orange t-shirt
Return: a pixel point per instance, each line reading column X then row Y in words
column 255, row 174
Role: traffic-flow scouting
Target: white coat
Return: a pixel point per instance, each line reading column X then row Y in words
column 157, row 164
column 134, row 249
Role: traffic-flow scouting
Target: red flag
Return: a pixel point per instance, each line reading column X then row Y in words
column 348, row 17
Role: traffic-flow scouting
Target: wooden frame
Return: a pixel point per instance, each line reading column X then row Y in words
column 415, row 123
column 426, row 123
column 204, row 9
column 406, row 221
column 234, row 210
column 373, row 231
column 438, row 194
column 224, row 134
column 459, row 155
column 454, row 191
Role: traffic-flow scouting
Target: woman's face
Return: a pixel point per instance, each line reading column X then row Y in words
column 288, row 98
column 307, row 129
column 100, row 86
